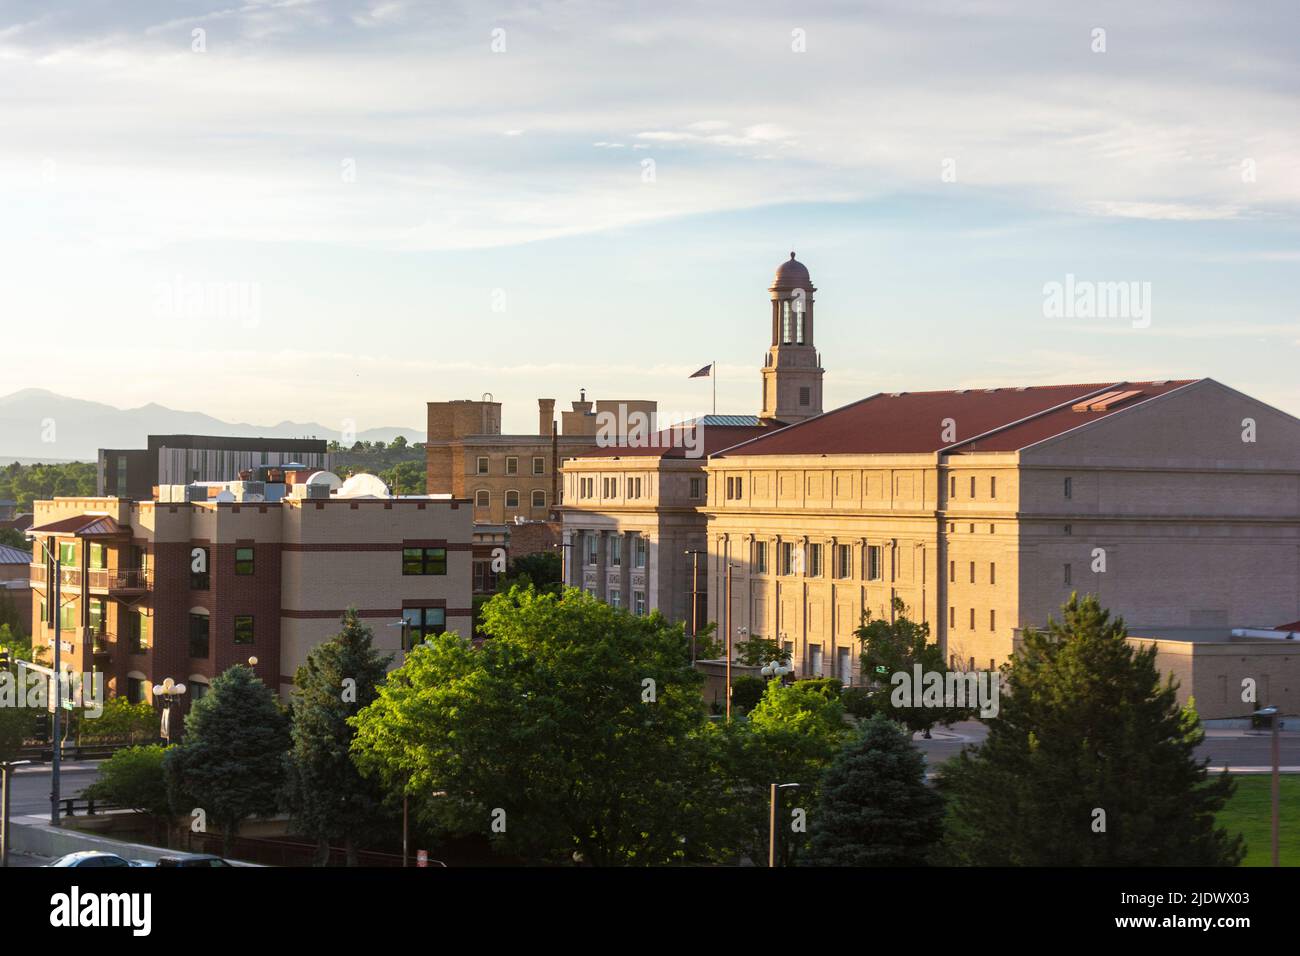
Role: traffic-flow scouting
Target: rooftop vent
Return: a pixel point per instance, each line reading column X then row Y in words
column 1106, row 401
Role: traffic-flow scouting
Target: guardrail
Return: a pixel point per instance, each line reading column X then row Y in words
column 88, row 805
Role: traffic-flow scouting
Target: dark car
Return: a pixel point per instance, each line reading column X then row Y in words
column 192, row 859
column 92, row 858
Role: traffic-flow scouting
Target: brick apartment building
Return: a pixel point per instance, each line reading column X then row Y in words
column 185, row 589
column 181, row 459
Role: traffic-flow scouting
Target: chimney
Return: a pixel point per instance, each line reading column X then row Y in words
column 545, row 416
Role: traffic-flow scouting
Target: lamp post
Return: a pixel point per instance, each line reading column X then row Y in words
column 1273, row 713
column 773, row 842
column 56, row 744
column 405, row 625
column 695, row 596
column 169, row 691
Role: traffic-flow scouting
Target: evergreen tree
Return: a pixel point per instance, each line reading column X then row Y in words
column 231, row 759
column 1090, row 761
column 875, row 808
column 324, row 793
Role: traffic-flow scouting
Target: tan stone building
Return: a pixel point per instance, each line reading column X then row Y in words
column 634, row 523
column 509, row 477
column 1177, row 502
column 187, row 588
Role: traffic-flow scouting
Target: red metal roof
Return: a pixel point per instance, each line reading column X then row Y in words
column 672, row 443
column 1000, row 419
column 83, row 526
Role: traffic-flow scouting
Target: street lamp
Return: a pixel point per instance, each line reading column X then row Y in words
column 695, row 595
column 169, row 691
column 773, row 842
column 405, row 625
column 1273, row 713
column 777, row 668
column 56, row 744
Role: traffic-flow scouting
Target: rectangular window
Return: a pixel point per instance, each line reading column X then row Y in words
column 805, row 395
column 97, row 556
column 539, row 465
column 641, row 552
column 735, row 489
column 760, row 557
column 952, row 617
column 244, row 561
column 993, row 487
column 814, row 560
column 843, row 561
column 874, row 562
column 1067, row 574
column 993, row 620
column 972, row 619
column 69, row 617
column 199, row 636
column 972, row 572
column 422, row 623
column 512, row 499
column 482, row 465
column 787, row 558
column 512, row 465
column 1069, row 529
column 696, row 486
column 135, row 690
column 1069, row 487
column 97, row 616
column 952, row 487
column 638, row 603
column 482, row 499
column 972, row 486
column 993, row 573
column 424, row 561
column 68, row 554
column 952, row 572
column 539, row 499
column 199, row 569
column 243, row 629
column 615, row 598
column 591, row 542
column 616, row 550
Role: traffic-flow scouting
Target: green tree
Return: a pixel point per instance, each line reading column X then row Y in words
column 1090, row 761
column 27, row 483
column 133, row 778
column 544, row 570
column 325, row 794
column 875, row 808
column 231, row 759
column 120, row 720
column 13, row 538
column 791, row 736
column 758, row 651
column 897, row 647
column 568, row 732
column 398, row 442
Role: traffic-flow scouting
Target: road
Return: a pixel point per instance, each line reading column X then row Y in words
column 1239, row 749
column 30, row 790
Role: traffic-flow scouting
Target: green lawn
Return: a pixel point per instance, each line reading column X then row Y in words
column 1250, row 813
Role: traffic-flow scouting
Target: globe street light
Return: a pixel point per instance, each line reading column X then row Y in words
column 169, row 691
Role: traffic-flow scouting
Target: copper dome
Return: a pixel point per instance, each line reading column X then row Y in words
column 792, row 274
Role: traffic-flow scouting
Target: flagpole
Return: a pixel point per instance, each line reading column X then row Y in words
column 714, row 376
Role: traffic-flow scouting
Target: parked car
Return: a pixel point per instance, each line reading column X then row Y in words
column 192, row 859
column 94, row 858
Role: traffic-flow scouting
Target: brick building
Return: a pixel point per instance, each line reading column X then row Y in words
column 184, row 589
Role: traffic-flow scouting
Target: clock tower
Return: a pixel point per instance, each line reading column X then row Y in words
column 792, row 372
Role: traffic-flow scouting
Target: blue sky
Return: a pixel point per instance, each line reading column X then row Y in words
column 419, row 217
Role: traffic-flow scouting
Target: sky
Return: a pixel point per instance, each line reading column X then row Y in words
column 338, row 211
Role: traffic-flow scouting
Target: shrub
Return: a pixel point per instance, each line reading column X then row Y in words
column 747, row 691
column 858, row 702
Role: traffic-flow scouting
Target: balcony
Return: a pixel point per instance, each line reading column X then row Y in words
column 127, row 581
column 102, row 645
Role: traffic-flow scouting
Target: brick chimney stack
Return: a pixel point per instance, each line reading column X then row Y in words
column 545, row 416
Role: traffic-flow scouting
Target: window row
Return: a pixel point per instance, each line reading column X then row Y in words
column 483, row 498
column 952, row 572
column 614, row 550
column 794, row 559
column 952, row 487
column 952, row 619
column 633, row 486
column 512, row 465
column 200, row 633
column 614, row 598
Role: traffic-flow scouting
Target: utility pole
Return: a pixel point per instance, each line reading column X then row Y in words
column 728, row 618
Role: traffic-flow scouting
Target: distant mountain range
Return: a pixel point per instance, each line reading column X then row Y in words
column 39, row 425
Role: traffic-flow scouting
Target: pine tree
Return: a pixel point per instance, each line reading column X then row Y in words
column 875, row 808
column 230, row 762
column 324, row 793
column 1090, row 761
